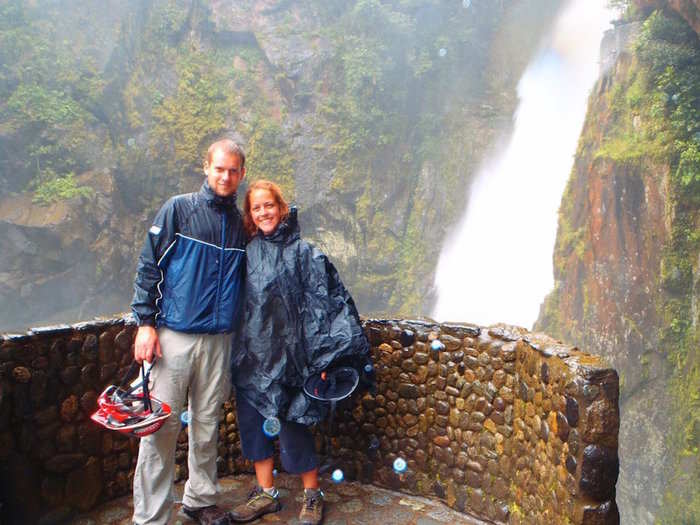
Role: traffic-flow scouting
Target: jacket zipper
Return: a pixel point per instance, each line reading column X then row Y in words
column 217, row 307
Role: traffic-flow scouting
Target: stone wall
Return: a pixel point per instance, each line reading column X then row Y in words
column 54, row 461
column 507, row 425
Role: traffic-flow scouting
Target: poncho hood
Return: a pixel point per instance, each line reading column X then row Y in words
column 287, row 231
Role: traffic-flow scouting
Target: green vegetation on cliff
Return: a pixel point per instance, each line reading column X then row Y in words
column 60, row 188
column 194, row 114
column 46, row 108
column 646, row 135
column 670, row 51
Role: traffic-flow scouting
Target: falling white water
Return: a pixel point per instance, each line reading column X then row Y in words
column 497, row 265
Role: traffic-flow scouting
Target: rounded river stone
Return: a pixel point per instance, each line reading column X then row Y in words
column 599, row 471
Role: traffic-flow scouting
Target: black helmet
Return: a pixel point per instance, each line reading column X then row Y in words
column 332, row 385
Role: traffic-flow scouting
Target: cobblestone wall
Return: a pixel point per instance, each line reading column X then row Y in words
column 504, row 424
column 501, row 423
column 54, row 461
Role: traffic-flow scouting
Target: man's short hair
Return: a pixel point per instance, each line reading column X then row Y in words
column 227, row 146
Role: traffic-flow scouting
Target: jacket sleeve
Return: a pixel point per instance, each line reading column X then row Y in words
column 149, row 274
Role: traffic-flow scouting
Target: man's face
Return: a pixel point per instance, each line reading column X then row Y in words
column 224, row 172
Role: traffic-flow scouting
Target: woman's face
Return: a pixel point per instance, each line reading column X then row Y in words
column 264, row 210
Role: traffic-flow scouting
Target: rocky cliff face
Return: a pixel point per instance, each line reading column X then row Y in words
column 626, row 259
column 371, row 115
column 688, row 9
column 73, row 253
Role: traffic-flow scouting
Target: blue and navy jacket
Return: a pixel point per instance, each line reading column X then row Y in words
column 191, row 269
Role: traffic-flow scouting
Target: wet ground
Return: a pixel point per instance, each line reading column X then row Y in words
column 347, row 503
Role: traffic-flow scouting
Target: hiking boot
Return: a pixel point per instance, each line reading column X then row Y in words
column 258, row 503
column 312, row 507
column 211, row 515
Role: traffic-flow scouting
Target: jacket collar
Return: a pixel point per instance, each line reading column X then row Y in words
column 288, row 230
column 217, row 201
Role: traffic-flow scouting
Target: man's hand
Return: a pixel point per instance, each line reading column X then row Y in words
column 146, row 345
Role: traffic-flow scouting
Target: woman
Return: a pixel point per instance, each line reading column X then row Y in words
column 299, row 320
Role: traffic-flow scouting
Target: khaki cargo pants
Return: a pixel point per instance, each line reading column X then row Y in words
column 198, row 364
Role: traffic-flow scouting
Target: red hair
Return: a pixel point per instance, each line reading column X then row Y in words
column 250, row 228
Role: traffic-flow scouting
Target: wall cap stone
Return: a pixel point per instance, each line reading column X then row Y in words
column 125, row 319
column 50, row 329
column 426, row 322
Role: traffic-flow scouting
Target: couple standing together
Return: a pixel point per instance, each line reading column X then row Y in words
column 221, row 298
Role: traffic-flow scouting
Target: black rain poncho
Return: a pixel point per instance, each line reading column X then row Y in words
column 299, row 320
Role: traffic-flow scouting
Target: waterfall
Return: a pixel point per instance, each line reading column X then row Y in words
column 497, row 265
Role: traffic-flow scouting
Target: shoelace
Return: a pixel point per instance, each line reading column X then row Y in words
column 253, row 495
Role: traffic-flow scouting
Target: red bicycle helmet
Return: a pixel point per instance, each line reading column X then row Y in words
column 132, row 411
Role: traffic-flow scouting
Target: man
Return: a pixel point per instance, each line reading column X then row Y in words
column 186, row 302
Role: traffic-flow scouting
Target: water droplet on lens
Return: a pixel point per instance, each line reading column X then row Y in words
column 437, row 346
column 466, row 4
column 271, row 426
column 399, row 465
column 369, row 368
column 338, row 475
column 274, row 472
column 442, row 52
column 185, row 417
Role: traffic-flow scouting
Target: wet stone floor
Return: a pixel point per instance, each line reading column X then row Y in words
column 347, row 503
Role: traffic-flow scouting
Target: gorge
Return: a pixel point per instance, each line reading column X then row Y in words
column 376, row 116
